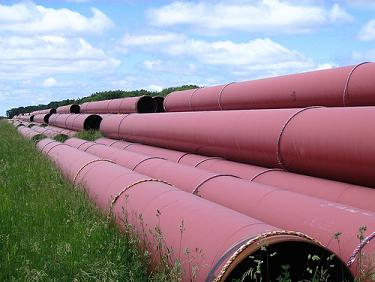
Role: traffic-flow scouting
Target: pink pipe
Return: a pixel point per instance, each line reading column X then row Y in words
column 344, row 86
column 346, row 194
column 149, row 205
column 332, row 143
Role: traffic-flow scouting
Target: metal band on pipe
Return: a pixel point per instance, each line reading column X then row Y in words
column 207, row 159
column 191, row 97
column 118, row 128
column 182, row 156
column 88, row 163
column 195, row 190
column 359, row 248
column 220, row 93
column 278, row 144
column 265, row 171
column 59, row 144
column 127, row 188
column 147, row 159
column 83, row 144
column 345, row 94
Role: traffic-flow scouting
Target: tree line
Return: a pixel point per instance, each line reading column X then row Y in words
column 98, row 96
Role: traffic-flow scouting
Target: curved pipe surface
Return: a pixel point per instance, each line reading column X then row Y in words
column 346, row 194
column 69, row 109
column 344, row 86
column 324, row 142
column 139, row 104
column 311, row 216
column 130, row 196
column 76, row 122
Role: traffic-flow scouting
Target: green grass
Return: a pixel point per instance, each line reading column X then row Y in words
column 49, row 231
column 89, row 135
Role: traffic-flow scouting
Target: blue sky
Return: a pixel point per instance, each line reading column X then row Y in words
column 53, row 50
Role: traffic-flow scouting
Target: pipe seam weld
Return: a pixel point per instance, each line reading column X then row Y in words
column 191, row 97
column 359, row 248
column 220, row 94
column 115, row 198
column 265, row 171
column 59, row 144
column 345, row 94
column 207, row 159
column 119, row 125
column 278, row 143
column 195, row 190
column 147, row 159
column 254, row 240
column 182, row 156
column 83, row 144
column 89, row 146
column 88, row 163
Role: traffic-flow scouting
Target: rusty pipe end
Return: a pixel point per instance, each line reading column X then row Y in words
column 277, row 250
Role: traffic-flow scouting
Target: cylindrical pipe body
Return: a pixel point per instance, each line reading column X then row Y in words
column 344, row 86
column 140, row 104
column 344, row 193
column 276, row 206
column 183, row 221
column 76, row 122
column 323, row 142
column 68, row 109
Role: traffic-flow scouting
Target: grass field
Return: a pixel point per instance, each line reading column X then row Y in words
column 49, row 231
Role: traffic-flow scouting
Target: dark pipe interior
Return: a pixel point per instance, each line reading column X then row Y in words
column 46, row 118
column 32, row 118
column 75, row 109
column 92, row 122
column 296, row 256
column 146, row 104
column 52, row 111
column 159, row 104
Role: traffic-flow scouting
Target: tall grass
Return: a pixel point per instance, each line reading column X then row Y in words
column 49, row 231
column 90, row 135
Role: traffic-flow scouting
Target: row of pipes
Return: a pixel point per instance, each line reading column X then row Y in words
column 290, row 175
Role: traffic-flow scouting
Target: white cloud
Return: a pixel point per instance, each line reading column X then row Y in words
column 152, row 64
column 338, row 14
column 256, row 16
column 367, row 32
column 29, row 18
column 49, row 82
column 150, row 40
column 362, row 56
column 259, row 55
column 154, row 87
column 27, row 57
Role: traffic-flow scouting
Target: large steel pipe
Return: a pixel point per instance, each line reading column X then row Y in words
column 159, row 103
column 311, row 215
column 333, row 143
column 44, row 112
column 140, row 104
column 344, row 86
column 185, row 223
column 76, row 122
column 29, row 133
column 68, row 109
column 344, row 193
column 40, row 118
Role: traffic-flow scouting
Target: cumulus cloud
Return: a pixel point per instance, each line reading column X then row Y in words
column 253, row 16
column 152, row 64
column 25, row 57
column 29, row 18
column 49, row 82
column 150, row 39
column 260, row 54
column 367, row 32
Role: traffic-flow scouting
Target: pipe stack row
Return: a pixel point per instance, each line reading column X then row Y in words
column 290, row 157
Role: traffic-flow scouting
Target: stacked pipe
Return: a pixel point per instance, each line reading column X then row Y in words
column 69, row 109
column 76, row 122
column 332, row 143
column 30, row 133
column 141, row 104
column 344, row 86
column 44, row 112
column 40, row 118
column 275, row 206
column 343, row 193
column 186, row 222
